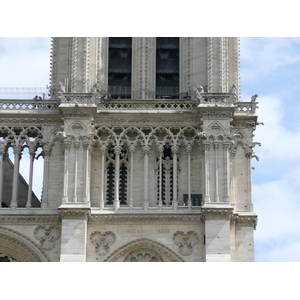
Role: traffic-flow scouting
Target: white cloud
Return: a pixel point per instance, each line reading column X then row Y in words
column 276, row 201
column 264, row 56
column 24, row 62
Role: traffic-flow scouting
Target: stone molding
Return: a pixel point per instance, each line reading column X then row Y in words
column 73, row 213
column 20, row 247
column 31, row 219
column 143, row 243
column 143, row 255
column 144, row 219
column 245, row 220
column 211, row 213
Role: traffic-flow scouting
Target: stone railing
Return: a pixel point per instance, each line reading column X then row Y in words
column 82, row 99
column 154, row 105
column 208, row 99
column 246, row 107
column 34, row 105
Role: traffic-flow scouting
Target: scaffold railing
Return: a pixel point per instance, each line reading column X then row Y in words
column 28, row 93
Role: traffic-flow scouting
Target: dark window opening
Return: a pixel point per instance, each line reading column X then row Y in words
column 196, row 199
column 119, row 67
column 167, row 68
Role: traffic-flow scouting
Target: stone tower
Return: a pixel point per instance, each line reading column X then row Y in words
column 147, row 154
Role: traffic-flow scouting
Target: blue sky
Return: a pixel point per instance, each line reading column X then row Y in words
column 270, row 67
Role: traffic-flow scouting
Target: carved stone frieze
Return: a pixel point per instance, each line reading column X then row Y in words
column 102, row 241
column 47, row 235
column 31, row 219
column 145, row 219
column 216, row 114
column 216, row 213
column 185, row 241
column 31, row 121
column 245, row 220
column 72, row 213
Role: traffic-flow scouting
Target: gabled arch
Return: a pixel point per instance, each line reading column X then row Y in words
column 215, row 130
column 145, row 245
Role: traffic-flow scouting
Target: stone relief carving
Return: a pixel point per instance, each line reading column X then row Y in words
column 143, row 255
column 47, row 235
column 185, row 241
column 102, row 241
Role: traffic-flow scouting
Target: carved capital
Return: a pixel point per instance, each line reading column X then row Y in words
column 146, row 149
column 245, row 220
column 76, row 144
column 188, row 148
column 217, row 213
column 175, row 149
column 216, row 145
column 66, row 144
column 117, row 150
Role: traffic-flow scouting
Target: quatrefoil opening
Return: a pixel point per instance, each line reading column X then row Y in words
column 47, row 235
column 185, row 241
column 102, row 241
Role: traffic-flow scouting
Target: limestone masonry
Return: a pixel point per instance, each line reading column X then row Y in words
column 146, row 149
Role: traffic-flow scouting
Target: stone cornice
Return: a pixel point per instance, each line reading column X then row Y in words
column 217, row 213
column 245, row 220
column 74, row 211
column 12, row 219
column 145, row 219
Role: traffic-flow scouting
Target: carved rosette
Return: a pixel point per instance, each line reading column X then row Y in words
column 185, row 241
column 102, row 241
column 47, row 235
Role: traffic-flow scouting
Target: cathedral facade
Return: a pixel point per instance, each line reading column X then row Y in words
column 146, row 150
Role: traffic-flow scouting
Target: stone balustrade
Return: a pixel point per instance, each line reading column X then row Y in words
column 34, row 105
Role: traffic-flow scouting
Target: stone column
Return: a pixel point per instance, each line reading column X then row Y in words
column 206, row 168
column 146, row 177
column 46, row 154
column 216, row 147
column 117, row 178
column 29, row 195
column 102, row 62
column 249, row 181
column 143, row 67
column 67, row 146
column 175, row 200
column 226, row 146
column 86, row 176
column 160, row 151
column 2, row 154
column 15, row 191
column 188, row 150
column 131, row 148
column 76, row 146
column 102, row 196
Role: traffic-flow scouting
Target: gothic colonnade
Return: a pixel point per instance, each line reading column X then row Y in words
column 165, row 143
column 19, row 138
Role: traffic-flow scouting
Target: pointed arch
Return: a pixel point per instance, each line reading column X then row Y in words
column 142, row 247
column 19, row 247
